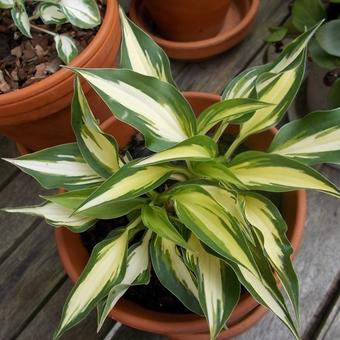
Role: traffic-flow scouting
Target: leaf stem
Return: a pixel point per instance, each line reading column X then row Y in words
column 43, row 30
column 178, row 177
column 152, row 194
column 134, row 223
column 232, row 148
column 188, row 165
column 219, row 131
column 183, row 171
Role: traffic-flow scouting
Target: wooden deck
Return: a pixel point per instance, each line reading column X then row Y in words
column 33, row 286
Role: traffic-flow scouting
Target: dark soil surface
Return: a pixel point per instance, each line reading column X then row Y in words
column 156, row 297
column 332, row 11
column 24, row 61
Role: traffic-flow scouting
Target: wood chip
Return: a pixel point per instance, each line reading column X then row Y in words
column 4, row 87
column 53, row 66
column 40, row 52
column 17, row 51
column 40, row 70
column 14, row 75
column 28, row 54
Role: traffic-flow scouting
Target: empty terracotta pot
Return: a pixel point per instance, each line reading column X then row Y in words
column 74, row 255
column 238, row 21
column 188, row 20
column 38, row 116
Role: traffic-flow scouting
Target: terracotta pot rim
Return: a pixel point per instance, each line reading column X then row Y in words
column 61, row 75
column 134, row 315
column 205, row 43
column 247, row 322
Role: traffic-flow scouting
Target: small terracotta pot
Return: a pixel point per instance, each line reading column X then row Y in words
column 188, row 20
column 38, row 116
column 237, row 22
column 74, row 256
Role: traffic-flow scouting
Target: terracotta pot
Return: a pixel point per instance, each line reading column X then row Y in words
column 38, row 116
column 74, row 256
column 237, row 22
column 188, row 20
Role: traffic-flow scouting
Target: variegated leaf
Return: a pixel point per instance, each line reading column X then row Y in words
column 73, row 199
column 278, row 88
column 127, row 183
column 276, row 173
column 81, row 13
column 157, row 220
column 115, row 209
column 229, row 201
column 70, row 199
column 20, row 18
column 243, row 85
column 112, row 299
column 197, row 148
column 6, row 4
column 259, row 281
column 263, row 215
column 58, row 166
column 141, row 54
column 172, row 272
column 105, row 268
column 312, row 139
column 152, row 106
column 51, row 13
column 228, row 110
column 137, row 273
column 218, row 171
column 263, row 287
column 279, row 84
column 220, row 231
column 212, row 224
column 98, row 149
column 57, row 216
column 66, row 47
column 218, row 286
column 276, row 83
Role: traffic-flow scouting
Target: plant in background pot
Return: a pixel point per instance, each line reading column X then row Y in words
column 36, row 37
column 323, row 81
column 191, row 211
column 57, row 13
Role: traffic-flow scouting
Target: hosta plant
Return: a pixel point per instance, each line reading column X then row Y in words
column 80, row 13
column 199, row 218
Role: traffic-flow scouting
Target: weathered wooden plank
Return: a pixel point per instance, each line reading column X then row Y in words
column 27, row 279
column 317, row 264
column 322, row 318
column 213, row 75
column 43, row 325
column 24, row 190
column 126, row 333
column 331, row 328
column 7, row 150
